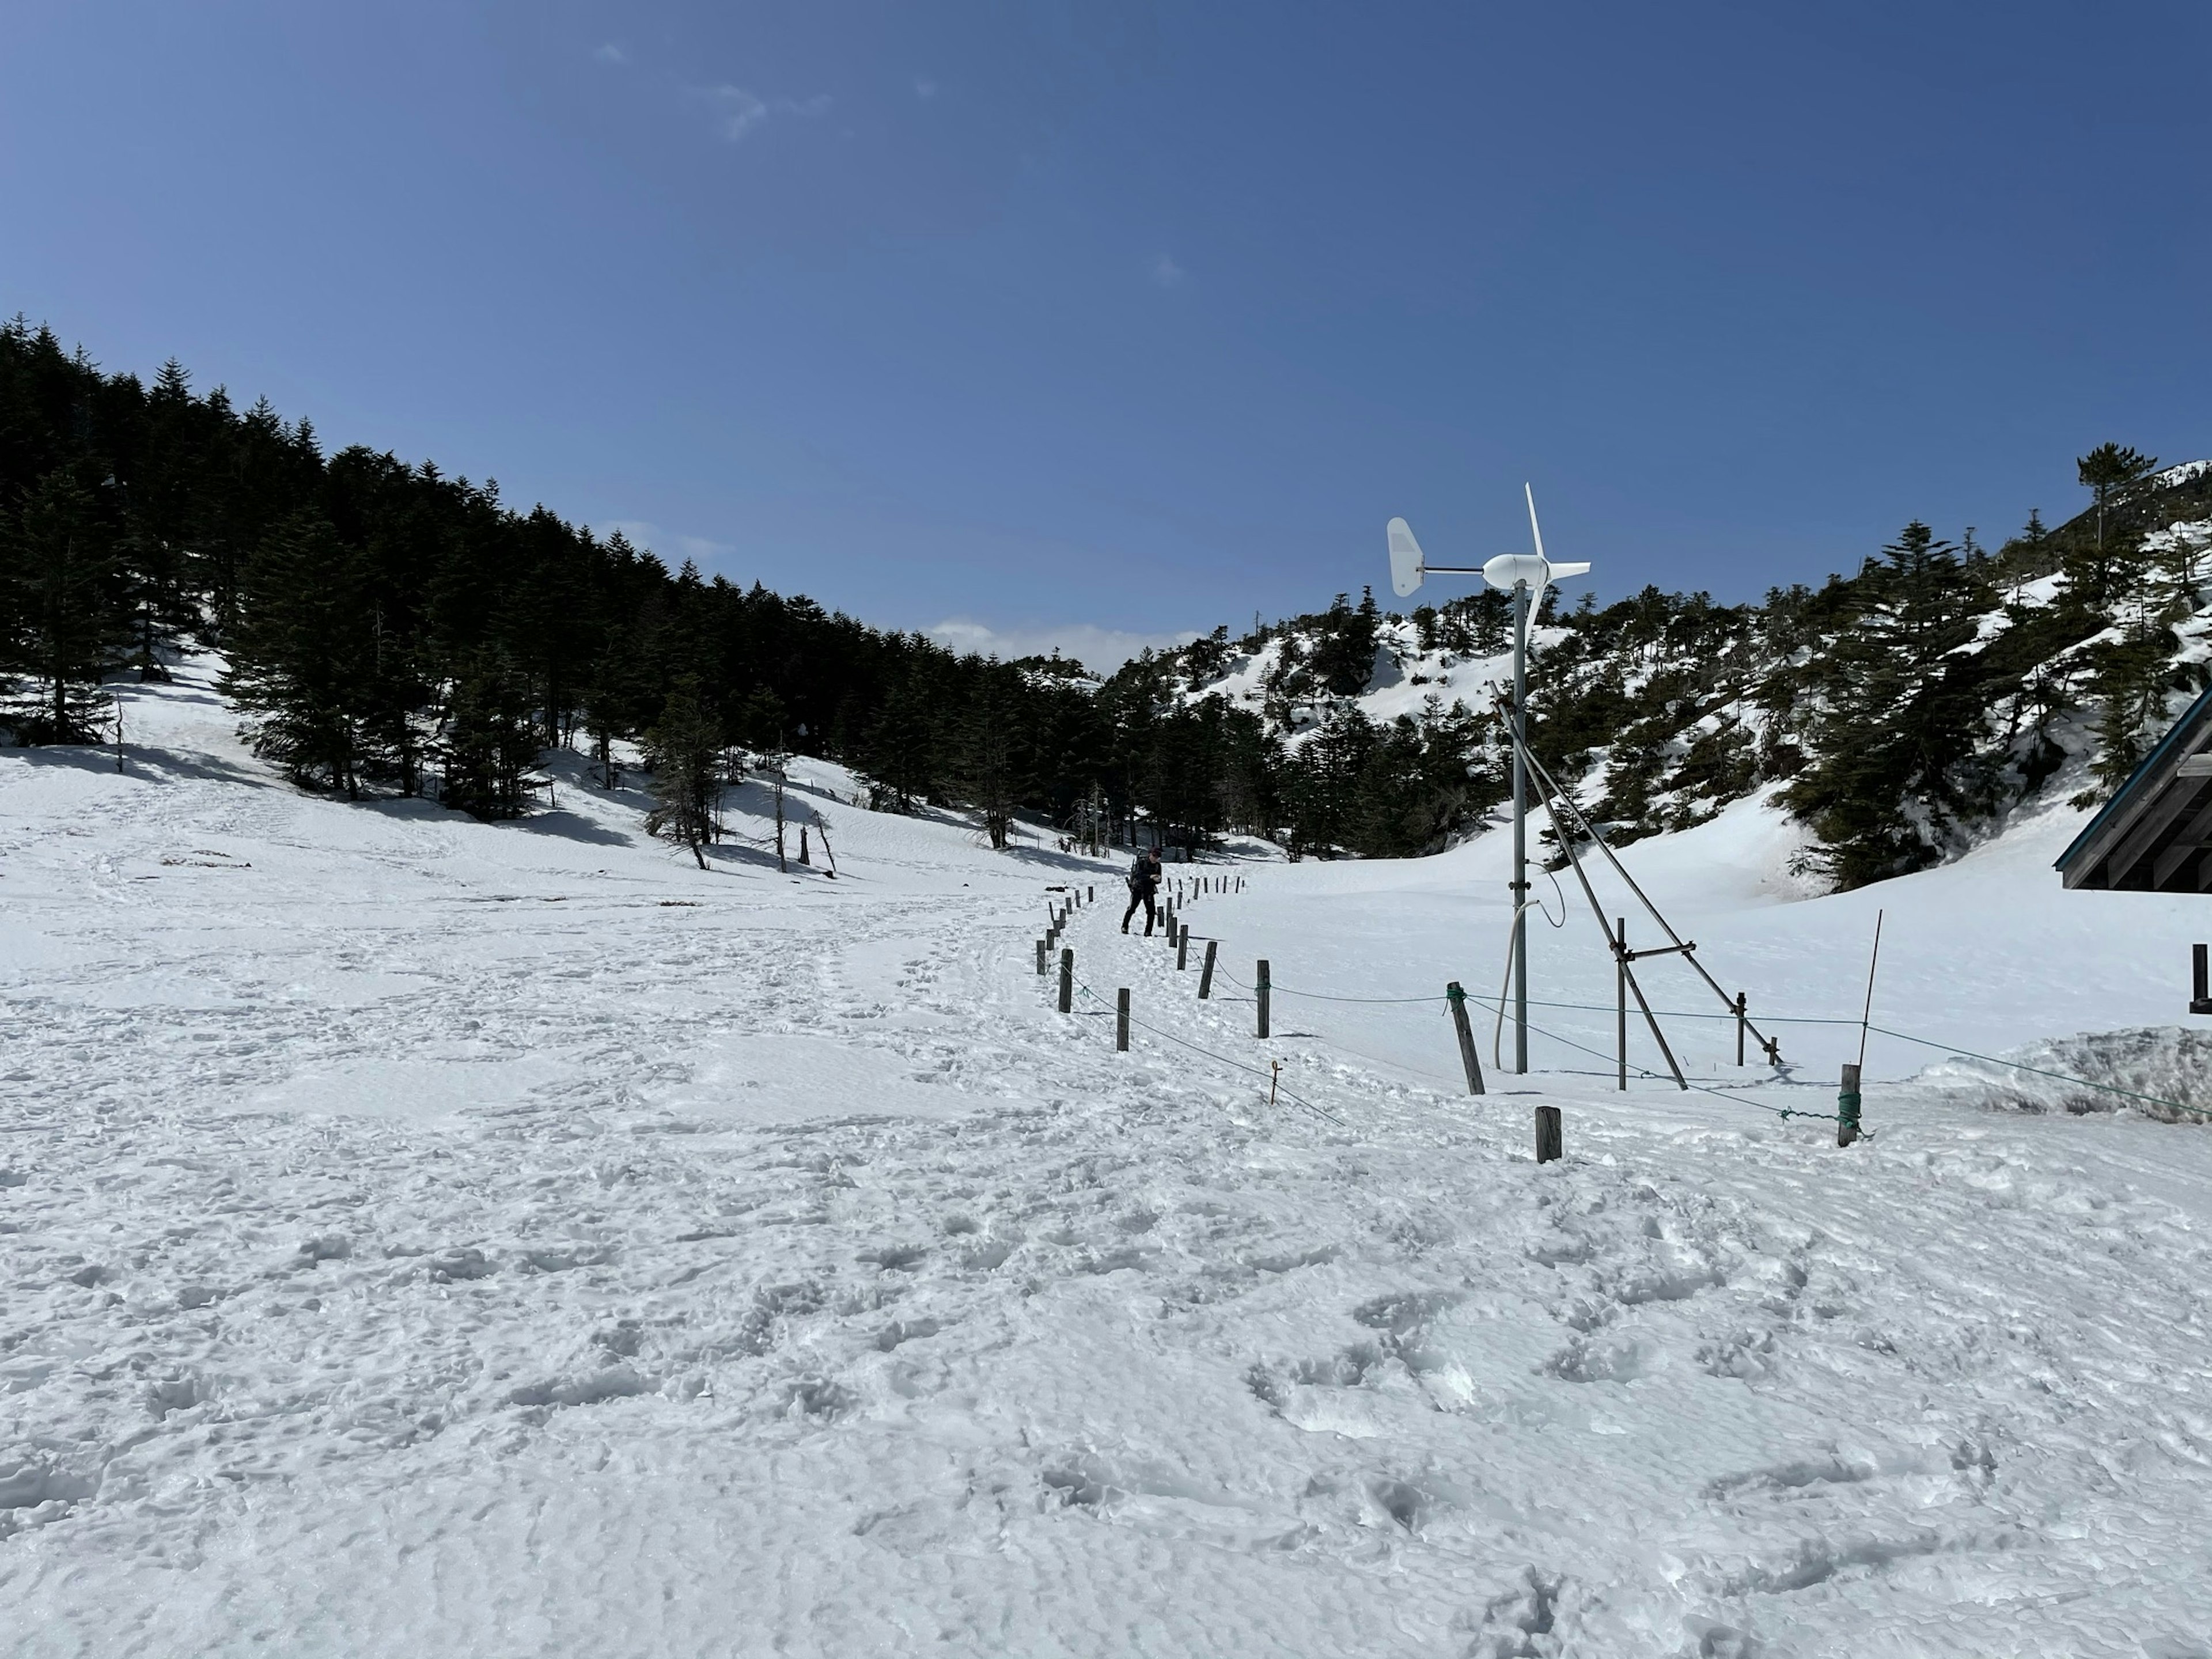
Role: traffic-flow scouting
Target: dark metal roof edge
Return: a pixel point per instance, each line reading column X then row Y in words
column 2136, row 779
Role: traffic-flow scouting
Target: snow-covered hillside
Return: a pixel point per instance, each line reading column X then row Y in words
column 427, row 1237
column 1908, row 710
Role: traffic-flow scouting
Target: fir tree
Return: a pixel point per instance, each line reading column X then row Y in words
column 61, row 590
column 900, row 753
column 304, row 655
column 1891, row 750
column 683, row 748
column 491, row 742
column 991, row 757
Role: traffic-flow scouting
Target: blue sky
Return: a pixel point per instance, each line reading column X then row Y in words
column 1101, row 323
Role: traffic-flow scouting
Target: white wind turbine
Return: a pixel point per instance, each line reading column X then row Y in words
column 1526, row 575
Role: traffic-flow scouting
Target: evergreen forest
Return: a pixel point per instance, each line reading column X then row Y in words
column 386, row 628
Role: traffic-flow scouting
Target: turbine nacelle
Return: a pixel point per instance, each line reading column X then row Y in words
column 1409, row 568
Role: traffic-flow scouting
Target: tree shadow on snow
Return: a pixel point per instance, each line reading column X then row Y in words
column 740, row 856
column 149, row 765
column 571, row 826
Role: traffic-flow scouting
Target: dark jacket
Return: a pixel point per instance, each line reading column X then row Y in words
column 1144, row 874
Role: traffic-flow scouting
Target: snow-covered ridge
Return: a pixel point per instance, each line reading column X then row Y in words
column 2186, row 472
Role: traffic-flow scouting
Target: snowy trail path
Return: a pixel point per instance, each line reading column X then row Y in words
column 421, row 1239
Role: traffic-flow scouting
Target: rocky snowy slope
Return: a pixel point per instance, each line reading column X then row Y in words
column 2033, row 673
column 427, row 1237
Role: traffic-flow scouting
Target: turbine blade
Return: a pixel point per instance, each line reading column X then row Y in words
column 1534, row 529
column 1406, row 564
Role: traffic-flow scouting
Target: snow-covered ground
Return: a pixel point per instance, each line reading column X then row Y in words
column 424, row 1237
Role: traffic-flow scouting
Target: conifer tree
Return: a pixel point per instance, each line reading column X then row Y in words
column 304, row 655
column 993, row 756
column 683, row 748
column 61, row 589
column 1892, row 766
column 2109, row 471
column 490, row 741
column 900, row 753
column 160, row 611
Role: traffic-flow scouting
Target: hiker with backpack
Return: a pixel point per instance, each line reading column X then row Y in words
column 1144, row 887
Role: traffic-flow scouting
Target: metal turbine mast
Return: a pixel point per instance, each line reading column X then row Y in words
column 1526, row 575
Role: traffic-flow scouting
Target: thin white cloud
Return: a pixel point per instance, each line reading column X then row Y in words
column 611, row 53
column 924, row 87
column 737, row 111
column 643, row 533
column 1102, row 650
column 1166, row 273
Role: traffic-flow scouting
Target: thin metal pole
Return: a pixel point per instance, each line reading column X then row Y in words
column 1651, row 1020
column 1867, row 1013
column 1620, row 997
column 1772, row 1045
column 1597, row 912
column 1520, row 827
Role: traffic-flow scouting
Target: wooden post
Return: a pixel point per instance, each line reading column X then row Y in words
column 1043, row 946
column 1741, row 1005
column 1182, row 948
column 804, row 857
column 1466, row 1054
column 1260, row 982
column 1093, row 892
column 1847, row 1106
column 1067, row 981
column 2200, row 995
column 1121, row 1020
column 1549, row 1135
column 1620, row 999
column 1205, row 972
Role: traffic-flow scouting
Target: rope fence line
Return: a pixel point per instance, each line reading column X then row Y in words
column 1566, row 1042
column 1719, row 1092
column 1776, row 1019
column 1642, row 1071
column 1273, row 1081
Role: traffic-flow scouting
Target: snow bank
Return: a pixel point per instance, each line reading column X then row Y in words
column 2160, row 1067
